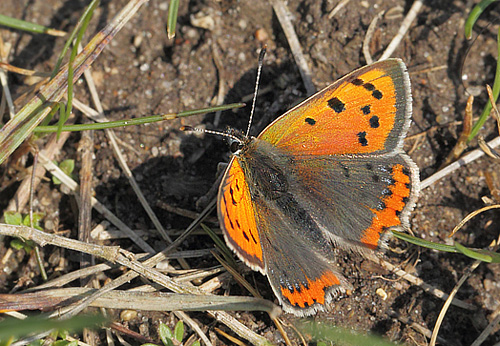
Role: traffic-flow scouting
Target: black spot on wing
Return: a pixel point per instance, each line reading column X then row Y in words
column 362, row 139
column 246, row 236
column 358, row 82
column 337, row 105
column 253, row 238
column 374, row 122
column 369, row 86
column 227, row 212
column 310, row 121
column 377, row 94
column 366, row 109
column 231, row 192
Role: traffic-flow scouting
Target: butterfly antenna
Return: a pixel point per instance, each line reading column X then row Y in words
column 217, row 133
column 259, row 69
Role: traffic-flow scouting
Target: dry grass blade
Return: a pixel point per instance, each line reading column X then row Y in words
column 86, row 147
column 72, row 185
column 468, row 158
column 337, row 8
column 143, row 268
column 494, row 113
column 487, row 331
column 426, row 287
column 448, row 301
column 123, row 163
column 112, row 254
column 194, row 326
column 52, row 148
column 487, row 149
column 471, row 215
column 368, row 37
column 284, row 18
column 14, row 132
column 461, row 144
column 405, row 25
column 6, row 95
column 134, row 300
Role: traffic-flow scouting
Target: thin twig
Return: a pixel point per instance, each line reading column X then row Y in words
column 4, row 56
column 52, row 148
column 448, row 301
column 405, row 25
column 468, row 158
column 284, row 18
column 86, row 147
column 194, row 326
column 368, row 37
column 426, row 287
column 487, row 331
column 73, row 186
column 109, row 253
column 337, row 8
column 99, row 117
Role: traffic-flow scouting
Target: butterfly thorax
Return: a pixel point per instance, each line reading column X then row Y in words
column 265, row 168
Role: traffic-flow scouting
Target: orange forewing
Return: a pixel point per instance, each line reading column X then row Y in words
column 364, row 112
column 236, row 212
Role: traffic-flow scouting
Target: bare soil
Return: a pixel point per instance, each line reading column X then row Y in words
column 144, row 73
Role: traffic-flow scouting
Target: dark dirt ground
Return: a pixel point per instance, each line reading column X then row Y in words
column 144, row 73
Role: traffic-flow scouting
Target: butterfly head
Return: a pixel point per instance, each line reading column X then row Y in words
column 237, row 140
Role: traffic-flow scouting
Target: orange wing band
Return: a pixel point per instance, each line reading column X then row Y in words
column 314, row 292
column 394, row 204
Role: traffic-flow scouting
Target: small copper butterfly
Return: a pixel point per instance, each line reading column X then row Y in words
column 330, row 172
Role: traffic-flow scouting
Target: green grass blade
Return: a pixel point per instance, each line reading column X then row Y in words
column 496, row 91
column 23, row 25
column 71, row 37
column 474, row 15
column 20, row 328
column 479, row 254
column 16, row 130
column 173, row 8
column 424, row 243
column 136, row 121
column 340, row 336
column 84, row 24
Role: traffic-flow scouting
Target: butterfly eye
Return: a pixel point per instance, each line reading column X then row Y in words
column 235, row 146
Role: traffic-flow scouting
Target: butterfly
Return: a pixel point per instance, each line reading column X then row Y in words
column 329, row 173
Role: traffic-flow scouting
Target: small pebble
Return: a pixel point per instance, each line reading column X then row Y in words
column 137, row 41
column 128, row 315
column 163, row 6
column 242, row 24
column 261, row 35
column 200, row 20
column 381, row 293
